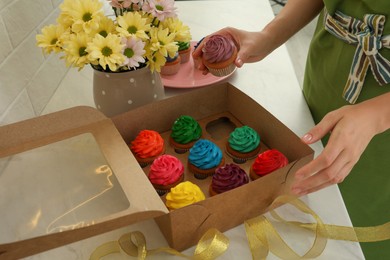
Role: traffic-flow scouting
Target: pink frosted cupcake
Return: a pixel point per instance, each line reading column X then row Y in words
column 219, row 53
column 166, row 172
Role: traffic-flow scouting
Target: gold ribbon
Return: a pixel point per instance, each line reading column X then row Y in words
column 211, row 245
column 261, row 234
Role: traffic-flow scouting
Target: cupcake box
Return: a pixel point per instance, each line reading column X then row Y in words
column 106, row 157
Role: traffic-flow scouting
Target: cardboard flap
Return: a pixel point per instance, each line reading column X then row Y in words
column 115, row 160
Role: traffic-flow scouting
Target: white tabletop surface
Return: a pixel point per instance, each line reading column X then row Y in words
column 273, row 84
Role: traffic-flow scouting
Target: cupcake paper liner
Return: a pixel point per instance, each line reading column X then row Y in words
column 223, row 71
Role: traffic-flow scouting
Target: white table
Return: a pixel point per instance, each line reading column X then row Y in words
column 272, row 83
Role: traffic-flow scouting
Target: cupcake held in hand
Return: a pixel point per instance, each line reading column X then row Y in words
column 243, row 144
column 205, row 156
column 266, row 163
column 184, row 194
column 166, row 172
column 226, row 178
column 185, row 132
column 147, row 146
column 219, row 54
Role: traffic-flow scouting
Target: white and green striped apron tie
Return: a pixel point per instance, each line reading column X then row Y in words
column 367, row 35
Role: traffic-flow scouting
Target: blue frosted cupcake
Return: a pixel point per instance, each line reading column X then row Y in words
column 204, row 158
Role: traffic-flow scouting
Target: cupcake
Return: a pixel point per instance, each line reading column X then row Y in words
column 204, row 158
column 166, row 172
column 219, row 53
column 266, row 163
column 185, row 132
column 171, row 66
column 184, row 194
column 226, row 178
column 147, row 146
column 184, row 51
column 243, row 144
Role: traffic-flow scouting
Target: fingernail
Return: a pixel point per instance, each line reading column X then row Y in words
column 307, row 137
column 239, row 62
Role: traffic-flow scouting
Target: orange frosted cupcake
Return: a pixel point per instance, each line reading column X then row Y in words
column 266, row 163
column 184, row 194
column 147, row 146
column 219, row 53
column 166, row 172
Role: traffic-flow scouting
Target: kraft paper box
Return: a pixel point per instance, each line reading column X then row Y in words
column 104, row 186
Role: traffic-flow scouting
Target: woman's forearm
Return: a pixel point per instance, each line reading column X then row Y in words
column 294, row 16
column 379, row 108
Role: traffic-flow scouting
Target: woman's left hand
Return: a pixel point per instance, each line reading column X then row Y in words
column 351, row 128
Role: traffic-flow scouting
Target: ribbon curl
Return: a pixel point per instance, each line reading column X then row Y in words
column 211, row 245
column 367, row 35
column 262, row 237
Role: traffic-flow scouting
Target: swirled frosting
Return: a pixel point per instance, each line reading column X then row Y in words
column 228, row 177
column 269, row 161
column 205, row 154
column 165, row 169
column 218, row 48
column 244, row 139
column 186, row 129
column 184, row 194
column 148, row 143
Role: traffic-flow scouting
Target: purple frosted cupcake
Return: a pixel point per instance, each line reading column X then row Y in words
column 226, row 178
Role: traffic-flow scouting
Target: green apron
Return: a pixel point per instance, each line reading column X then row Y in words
column 366, row 190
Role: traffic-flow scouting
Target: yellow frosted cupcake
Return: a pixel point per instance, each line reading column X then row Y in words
column 183, row 194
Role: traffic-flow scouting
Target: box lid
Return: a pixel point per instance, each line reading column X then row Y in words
column 72, row 137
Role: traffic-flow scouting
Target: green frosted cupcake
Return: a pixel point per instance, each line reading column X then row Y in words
column 185, row 132
column 243, row 144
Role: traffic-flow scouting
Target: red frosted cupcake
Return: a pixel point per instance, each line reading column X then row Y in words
column 219, row 53
column 147, row 146
column 166, row 172
column 226, row 178
column 266, row 163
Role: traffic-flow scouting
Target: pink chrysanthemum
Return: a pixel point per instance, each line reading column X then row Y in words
column 160, row 8
column 133, row 52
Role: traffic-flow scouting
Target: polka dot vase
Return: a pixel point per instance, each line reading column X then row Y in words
column 116, row 93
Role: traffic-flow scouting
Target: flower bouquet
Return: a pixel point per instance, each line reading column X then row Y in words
column 138, row 33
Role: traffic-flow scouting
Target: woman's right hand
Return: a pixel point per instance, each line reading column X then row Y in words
column 252, row 46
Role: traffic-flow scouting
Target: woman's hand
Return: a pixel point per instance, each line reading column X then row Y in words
column 252, row 46
column 351, row 128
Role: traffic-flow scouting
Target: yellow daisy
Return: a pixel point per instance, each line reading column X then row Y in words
column 76, row 50
column 155, row 61
column 50, row 39
column 133, row 24
column 162, row 41
column 106, row 26
column 86, row 14
column 176, row 26
column 107, row 50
